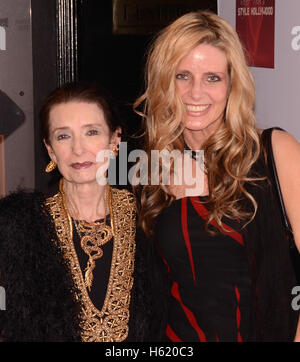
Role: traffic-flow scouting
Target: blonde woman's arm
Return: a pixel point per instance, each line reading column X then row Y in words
column 287, row 158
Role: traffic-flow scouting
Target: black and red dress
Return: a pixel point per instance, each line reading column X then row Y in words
column 210, row 288
column 224, row 287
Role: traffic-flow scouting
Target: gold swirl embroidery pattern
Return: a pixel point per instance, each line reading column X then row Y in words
column 111, row 323
column 92, row 238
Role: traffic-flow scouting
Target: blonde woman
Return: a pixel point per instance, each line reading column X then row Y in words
column 223, row 250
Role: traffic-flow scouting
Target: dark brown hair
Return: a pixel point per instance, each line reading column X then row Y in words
column 81, row 92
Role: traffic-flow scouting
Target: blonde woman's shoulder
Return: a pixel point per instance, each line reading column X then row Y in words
column 286, row 150
column 284, row 139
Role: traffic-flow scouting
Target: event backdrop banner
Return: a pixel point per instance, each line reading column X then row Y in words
column 255, row 25
column 278, row 88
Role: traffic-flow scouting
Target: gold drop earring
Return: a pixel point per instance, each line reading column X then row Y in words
column 51, row 166
column 114, row 152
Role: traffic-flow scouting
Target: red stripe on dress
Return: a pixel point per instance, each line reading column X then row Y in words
column 202, row 211
column 164, row 260
column 189, row 314
column 184, row 227
column 238, row 314
column 172, row 335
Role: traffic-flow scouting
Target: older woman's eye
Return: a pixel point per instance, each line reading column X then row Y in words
column 93, row 132
column 212, row 78
column 62, row 137
column 182, row 76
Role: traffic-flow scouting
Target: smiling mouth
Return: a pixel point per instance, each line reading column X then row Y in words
column 79, row 166
column 196, row 108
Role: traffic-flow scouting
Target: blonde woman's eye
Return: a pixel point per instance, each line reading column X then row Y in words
column 212, row 78
column 182, row 76
column 93, row 132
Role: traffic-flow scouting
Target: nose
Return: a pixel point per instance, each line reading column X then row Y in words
column 196, row 89
column 77, row 146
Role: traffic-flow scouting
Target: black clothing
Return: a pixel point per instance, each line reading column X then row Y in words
column 39, row 286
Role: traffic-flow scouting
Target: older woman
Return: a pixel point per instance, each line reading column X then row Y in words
column 67, row 261
column 223, row 249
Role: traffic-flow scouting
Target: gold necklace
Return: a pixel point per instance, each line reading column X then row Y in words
column 92, row 236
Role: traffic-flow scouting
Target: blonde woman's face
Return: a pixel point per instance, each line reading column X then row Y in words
column 202, row 81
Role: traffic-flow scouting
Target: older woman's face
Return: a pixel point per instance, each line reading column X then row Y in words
column 202, row 81
column 78, row 131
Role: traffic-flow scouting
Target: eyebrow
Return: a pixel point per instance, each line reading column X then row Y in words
column 209, row 72
column 84, row 126
column 60, row 129
column 214, row 72
column 93, row 125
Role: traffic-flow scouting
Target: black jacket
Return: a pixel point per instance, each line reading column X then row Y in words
column 39, row 287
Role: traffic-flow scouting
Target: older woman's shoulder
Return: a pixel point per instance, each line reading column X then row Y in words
column 122, row 199
column 19, row 212
column 20, row 202
column 21, row 215
column 123, row 194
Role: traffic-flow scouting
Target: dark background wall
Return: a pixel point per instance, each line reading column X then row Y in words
column 44, row 52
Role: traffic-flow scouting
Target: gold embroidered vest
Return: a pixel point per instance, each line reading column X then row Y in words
column 110, row 324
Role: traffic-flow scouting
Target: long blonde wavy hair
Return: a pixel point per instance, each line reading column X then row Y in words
column 232, row 150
